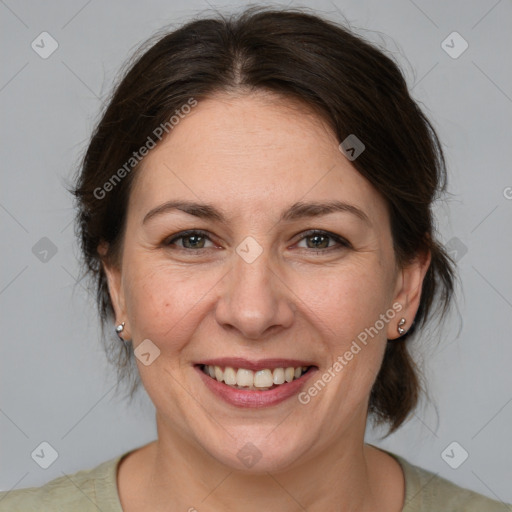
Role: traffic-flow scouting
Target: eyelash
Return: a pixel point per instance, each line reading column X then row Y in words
column 307, row 234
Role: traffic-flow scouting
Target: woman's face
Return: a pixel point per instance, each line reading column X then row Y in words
column 256, row 286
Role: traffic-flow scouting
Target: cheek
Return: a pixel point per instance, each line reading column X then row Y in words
column 346, row 306
column 162, row 300
column 346, row 299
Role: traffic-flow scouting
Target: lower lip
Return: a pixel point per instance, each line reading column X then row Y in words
column 251, row 398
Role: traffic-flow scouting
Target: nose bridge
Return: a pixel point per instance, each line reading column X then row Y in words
column 253, row 299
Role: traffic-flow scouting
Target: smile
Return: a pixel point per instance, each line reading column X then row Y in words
column 261, row 380
column 267, row 383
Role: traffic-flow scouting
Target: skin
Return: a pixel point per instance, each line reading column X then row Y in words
column 252, row 157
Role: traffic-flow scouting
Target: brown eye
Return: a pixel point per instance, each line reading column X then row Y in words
column 193, row 241
column 318, row 241
column 321, row 240
column 189, row 240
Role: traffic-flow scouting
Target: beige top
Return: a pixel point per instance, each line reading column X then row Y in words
column 96, row 489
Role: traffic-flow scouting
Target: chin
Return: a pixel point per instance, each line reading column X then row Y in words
column 260, row 452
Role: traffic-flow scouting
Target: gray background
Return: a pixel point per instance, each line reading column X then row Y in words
column 56, row 385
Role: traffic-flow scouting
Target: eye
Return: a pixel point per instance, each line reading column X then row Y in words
column 191, row 239
column 319, row 241
column 316, row 240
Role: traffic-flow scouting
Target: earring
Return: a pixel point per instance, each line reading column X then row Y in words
column 119, row 330
column 399, row 326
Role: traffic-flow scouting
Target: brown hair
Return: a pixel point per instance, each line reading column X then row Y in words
column 356, row 89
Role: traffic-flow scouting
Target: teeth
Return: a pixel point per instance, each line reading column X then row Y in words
column 289, row 373
column 261, row 379
column 278, row 376
column 230, row 376
column 243, row 377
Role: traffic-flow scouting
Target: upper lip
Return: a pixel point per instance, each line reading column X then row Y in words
column 262, row 364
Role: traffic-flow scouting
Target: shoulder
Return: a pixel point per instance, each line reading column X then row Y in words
column 86, row 490
column 427, row 492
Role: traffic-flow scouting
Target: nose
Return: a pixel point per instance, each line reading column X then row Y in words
column 254, row 300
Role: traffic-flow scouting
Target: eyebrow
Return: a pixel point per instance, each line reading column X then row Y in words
column 299, row 210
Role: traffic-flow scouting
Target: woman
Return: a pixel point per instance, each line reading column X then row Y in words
column 255, row 206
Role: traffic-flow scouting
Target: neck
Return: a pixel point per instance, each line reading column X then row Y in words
column 346, row 477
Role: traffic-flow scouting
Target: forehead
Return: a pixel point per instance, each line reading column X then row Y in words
column 250, row 153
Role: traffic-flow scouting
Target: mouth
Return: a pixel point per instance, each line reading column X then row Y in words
column 255, row 384
column 260, row 380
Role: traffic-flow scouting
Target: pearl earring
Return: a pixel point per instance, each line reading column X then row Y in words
column 399, row 327
column 119, row 330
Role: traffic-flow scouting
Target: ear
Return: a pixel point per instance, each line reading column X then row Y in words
column 115, row 288
column 408, row 292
